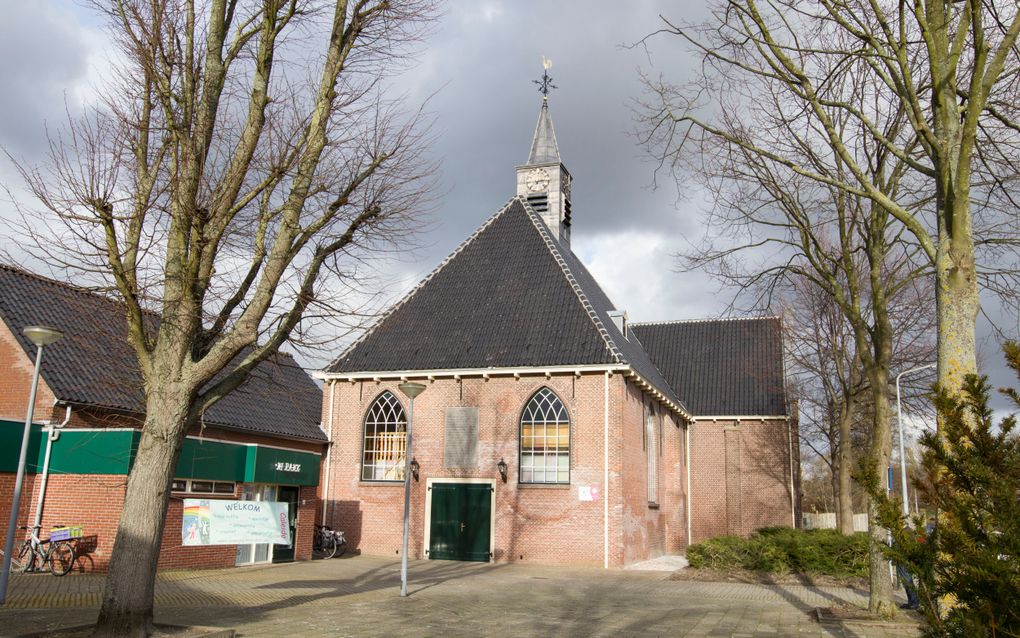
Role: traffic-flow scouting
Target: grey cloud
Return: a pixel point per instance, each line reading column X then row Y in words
column 43, row 54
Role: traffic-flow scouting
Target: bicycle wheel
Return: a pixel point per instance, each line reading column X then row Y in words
column 22, row 559
column 61, row 558
column 328, row 547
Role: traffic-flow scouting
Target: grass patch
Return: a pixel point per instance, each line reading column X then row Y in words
column 781, row 550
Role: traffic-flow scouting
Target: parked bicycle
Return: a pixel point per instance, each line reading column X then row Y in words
column 328, row 542
column 35, row 554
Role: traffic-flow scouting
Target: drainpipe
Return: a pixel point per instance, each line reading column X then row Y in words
column 687, row 458
column 605, row 473
column 793, row 485
column 52, row 434
column 329, row 453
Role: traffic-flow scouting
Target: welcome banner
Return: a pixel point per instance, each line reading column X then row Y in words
column 218, row 522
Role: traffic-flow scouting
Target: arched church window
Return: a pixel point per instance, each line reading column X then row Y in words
column 385, row 440
column 545, row 439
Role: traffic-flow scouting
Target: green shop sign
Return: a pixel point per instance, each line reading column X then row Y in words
column 112, row 451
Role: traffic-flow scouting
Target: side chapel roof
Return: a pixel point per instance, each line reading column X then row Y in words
column 94, row 365
column 721, row 367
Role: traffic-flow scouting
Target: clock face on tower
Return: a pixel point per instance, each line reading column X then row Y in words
column 537, row 180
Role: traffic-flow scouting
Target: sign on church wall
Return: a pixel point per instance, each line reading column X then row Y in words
column 461, row 438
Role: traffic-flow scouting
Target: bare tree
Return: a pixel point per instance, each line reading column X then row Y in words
column 830, row 386
column 243, row 164
column 828, row 377
column 775, row 228
column 948, row 68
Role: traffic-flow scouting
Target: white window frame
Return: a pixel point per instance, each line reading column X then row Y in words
column 386, row 443
column 543, row 394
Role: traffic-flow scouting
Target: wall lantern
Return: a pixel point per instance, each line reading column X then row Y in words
column 501, row 466
column 414, row 469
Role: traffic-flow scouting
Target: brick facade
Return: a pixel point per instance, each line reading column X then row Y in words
column 545, row 523
column 741, row 476
column 740, row 472
column 96, row 500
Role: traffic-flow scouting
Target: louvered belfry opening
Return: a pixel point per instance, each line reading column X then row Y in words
column 539, row 202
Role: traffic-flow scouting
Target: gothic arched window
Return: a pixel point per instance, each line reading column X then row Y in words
column 545, row 440
column 385, row 440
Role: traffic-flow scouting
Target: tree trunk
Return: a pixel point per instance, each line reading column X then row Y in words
column 130, row 583
column 880, row 600
column 958, row 305
column 845, row 508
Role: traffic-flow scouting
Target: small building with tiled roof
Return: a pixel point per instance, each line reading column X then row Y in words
column 549, row 428
column 262, row 441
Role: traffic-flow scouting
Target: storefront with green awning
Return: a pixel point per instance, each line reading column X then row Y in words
column 112, row 451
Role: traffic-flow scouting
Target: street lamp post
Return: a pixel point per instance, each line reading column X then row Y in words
column 899, row 423
column 41, row 336
column 410, row 390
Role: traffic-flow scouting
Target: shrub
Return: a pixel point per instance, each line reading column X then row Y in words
column 782, row 549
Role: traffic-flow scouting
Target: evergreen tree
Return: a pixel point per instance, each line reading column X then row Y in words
column 968, row 568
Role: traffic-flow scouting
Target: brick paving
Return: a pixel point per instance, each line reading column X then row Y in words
column 358, row 596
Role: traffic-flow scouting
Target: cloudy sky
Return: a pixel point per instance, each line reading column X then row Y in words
column 479, row 63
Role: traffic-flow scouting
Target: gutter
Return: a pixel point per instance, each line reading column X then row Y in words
column 605, row 473
column 52, row 434
column 687, row 447
column 329, row 452
column 516, row 372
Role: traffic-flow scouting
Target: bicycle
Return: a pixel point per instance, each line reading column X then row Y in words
column 34, row 554
column 328, row 542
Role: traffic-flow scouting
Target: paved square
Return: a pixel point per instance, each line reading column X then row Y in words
column 358, row 596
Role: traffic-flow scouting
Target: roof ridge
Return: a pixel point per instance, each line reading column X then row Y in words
column 706, row 320
column 543, row 231
column 435, row 271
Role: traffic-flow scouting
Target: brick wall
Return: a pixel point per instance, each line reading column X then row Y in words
column 546, row 523
column 96, row 501
column 16, row 381
column 740, row 476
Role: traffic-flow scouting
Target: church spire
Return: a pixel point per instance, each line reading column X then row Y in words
column 543, row 181
column 543, row 147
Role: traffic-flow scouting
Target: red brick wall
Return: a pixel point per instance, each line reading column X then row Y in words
column 91, row 500
column 96, row 501
column 16, row 370
column 532, row 522
column 740, row 476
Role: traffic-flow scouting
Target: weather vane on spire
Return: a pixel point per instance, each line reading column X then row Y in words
column 546, row 82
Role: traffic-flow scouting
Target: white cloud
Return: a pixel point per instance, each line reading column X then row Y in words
column 636, row 268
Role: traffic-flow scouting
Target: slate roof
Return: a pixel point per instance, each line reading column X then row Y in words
column 510, row 296
column 726, row 367
column 544, row 149
column 94, row 365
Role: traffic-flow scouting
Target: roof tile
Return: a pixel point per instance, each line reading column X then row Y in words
column 93, row 364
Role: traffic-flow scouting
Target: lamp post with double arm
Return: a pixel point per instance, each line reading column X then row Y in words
column 410, row 390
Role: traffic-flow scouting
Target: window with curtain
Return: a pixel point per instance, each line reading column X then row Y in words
column 385, row 440
column 545, row 439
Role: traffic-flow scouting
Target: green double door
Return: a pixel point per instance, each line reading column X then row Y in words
column 461, row 523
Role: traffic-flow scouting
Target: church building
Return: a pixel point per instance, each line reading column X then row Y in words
column 550, row 428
